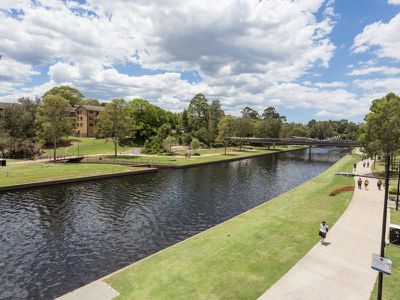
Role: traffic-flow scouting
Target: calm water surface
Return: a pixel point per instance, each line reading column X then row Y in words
column 55, row 239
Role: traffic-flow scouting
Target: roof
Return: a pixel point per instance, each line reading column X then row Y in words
column 7, row 104
column 92, row 107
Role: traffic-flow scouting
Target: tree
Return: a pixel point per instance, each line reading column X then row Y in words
column 243, row 129
column 168, row 143
column 226, row 130
column 381, row 130
column 198, row 112
column 249, row 113
column 53, row 120
column 185, row 121
column 114, row 122
column 93, row 102
column 195, row 144
column 215, row 113
column 72, row 95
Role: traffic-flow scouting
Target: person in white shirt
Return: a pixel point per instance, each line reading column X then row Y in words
column 323, row 230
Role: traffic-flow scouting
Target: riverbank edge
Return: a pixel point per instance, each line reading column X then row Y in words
column 200, row 164
column 73, row 180
column 277, row 198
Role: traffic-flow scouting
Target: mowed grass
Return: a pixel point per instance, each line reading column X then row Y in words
column 87, row 146
column 193, row 160
column 39, row 172
column 241, row 258
column 391, row 283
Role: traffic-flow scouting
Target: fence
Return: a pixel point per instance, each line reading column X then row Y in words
column 127, row 162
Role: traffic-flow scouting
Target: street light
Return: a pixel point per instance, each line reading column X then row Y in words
column 383, row 237
column 398, row 186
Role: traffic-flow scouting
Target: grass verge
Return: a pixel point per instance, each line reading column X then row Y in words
column 194, row 160
column 391, row 283
column 42, row 172
column 241, row 258
column 87, row 146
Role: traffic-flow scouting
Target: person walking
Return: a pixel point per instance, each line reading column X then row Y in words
column 366, row 182
column 367, row 163
column 323, row 230
column 359, row 182
column 363, row 164
column 354, row 166
column 379, row 184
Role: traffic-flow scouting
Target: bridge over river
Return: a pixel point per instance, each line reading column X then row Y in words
column 296, row 141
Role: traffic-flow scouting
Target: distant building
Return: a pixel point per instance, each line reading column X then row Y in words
column 85, row 116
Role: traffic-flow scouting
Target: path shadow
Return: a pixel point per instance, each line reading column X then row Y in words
column 326, row 243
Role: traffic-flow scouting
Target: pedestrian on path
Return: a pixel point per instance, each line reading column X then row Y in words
column 363, row 164
column 367, row 163
column 354, row 166
column 379, row 184
column 359, row 182
column 323, row 230
column 366, row 182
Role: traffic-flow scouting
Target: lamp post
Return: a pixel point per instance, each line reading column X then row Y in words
column 383, row 237
column 398, row 186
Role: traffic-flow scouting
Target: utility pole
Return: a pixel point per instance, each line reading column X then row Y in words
column 383, row 236
column 398, row 186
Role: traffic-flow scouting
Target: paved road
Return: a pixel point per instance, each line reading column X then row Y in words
column 340, row 270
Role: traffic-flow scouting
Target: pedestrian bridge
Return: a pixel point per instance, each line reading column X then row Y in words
column 296, row 141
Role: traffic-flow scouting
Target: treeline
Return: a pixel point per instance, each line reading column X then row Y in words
column 26, row 126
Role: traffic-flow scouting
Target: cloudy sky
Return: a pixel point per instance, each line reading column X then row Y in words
column 321, row 59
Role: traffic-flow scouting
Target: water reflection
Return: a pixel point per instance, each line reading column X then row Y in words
column 58, row 238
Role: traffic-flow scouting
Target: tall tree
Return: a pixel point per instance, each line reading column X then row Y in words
column 72, row 95
column 381, row 130
column 185, row 121
column 114, row 122
column 215, row 113
column 53, row 120
column 244, row 128
column 249, row 113
column 226, row 130
column 198, row 112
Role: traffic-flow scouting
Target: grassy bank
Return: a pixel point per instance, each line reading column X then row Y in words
column 87, row 146
column 391, row 284
column 242, row 257
column 211, row 156
column 39, row 172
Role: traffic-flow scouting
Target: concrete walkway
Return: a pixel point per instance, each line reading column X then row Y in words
column 340, row 270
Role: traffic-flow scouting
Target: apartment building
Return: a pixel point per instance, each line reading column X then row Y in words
column 85, row 116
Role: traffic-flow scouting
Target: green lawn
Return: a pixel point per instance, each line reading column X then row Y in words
column 391, row 283
column 39, row 172
column 87, row 146
column 241, row 258
column 200, row 159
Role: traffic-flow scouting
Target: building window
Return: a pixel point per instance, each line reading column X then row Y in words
column 81, row 124
column 91, row 118
column 90, row 124
column 77, row 124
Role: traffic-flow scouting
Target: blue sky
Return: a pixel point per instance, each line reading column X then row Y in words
column 320, row 59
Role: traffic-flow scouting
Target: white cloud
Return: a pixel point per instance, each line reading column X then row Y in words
column 382, row 38
column 247, row 52
column 370, row 70
column 394, row 2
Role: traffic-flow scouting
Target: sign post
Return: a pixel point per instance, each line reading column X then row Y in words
column 381, row 264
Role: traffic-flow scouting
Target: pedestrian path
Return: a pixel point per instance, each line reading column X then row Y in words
column 341, row 269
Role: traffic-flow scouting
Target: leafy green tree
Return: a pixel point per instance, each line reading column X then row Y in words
column 244, row 128
column 271, row 113
column 381, row 130
column 185, row 121
column 195, row 144
column 164, row 131
column 215, row 113
column 72, row 95
column 198, row 112
column 249, row 113
column 93, row 102
column 169, row 142
column 114, row 122
column 226, row 130
column 203, row 135
column 53, row 121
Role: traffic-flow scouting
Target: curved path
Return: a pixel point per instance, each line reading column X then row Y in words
column 341, row 269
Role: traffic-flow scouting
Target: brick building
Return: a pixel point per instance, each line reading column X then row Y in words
column 85, row 116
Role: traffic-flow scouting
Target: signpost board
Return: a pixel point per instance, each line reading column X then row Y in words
column 381, row 264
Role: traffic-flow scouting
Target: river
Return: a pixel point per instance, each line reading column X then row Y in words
column 56, row 239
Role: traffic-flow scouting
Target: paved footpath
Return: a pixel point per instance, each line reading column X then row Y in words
column 342, row 269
